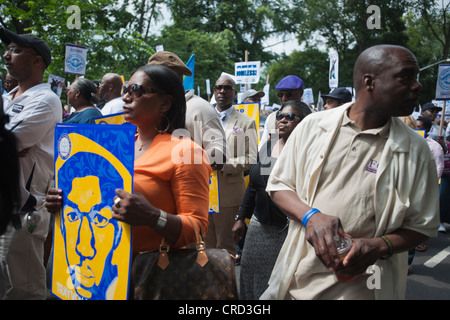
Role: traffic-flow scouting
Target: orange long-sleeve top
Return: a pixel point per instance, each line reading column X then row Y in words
column 173, row 175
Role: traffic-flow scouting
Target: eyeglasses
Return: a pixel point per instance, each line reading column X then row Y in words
column 286, row 94
column 226, row 88
column 290, row 116
column 16, row 50
column 136, row 90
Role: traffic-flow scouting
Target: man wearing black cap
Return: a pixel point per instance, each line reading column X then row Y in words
column 336, row 98
column 33, row 109
column 430, row 111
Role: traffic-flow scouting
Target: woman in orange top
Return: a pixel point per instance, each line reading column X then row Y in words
column 171, row 175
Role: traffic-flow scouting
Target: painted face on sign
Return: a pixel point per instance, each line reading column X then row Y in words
column 90, row 224
column 90, row 233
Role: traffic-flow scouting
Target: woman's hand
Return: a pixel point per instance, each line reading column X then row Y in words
column 53, row 200
column 134, row 209
column 238, row 230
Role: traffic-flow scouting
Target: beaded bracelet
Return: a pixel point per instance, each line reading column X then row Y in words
column 308, row 215
column 390, row 247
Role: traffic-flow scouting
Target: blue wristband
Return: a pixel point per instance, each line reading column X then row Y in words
column 308, row 215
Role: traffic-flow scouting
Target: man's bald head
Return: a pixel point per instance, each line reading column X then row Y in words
column 226, row 78
column 374, row 60
column 110, row 87
column 224, row 92
column 385, row 80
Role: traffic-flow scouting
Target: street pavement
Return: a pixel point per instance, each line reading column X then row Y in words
column 429, row 278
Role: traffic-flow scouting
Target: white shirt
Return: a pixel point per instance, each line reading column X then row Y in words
column 224, row 116
column 32, row 118
column 113, row 106
column 438, row 154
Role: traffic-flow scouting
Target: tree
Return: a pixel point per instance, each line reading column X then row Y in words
column 113, row 46
column 210, row 49
column 428, row 36
column 435, row 17
column 251, row 22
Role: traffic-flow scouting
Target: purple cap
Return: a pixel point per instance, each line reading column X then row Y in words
column 290, row 83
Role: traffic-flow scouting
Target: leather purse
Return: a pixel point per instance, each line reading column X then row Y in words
column 185, row 274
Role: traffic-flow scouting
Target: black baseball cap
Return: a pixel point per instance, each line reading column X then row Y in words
column 28, row 40
column 341, row 94
column 430, row 105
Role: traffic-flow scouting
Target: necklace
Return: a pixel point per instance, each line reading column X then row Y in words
column 143, row 144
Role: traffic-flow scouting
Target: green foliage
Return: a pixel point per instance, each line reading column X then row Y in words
column 210, row 49
column 120, row 36
column 112, row 45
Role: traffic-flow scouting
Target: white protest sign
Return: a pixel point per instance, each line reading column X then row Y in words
column 265, row 99
column 443, row 83
column 247, row 72
column 75, row 62
column 308, row 96
column 333, row 75
column 208, row 87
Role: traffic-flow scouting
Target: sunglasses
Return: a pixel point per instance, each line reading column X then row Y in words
column 226, row 88
column 290, row 116
column 286, row 94
column 136, row 90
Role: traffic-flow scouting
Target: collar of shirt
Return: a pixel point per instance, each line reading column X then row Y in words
column 382, row 131
column 225, row 115
column 10, row 95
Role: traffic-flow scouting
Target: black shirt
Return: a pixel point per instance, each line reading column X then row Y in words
column 256, row 200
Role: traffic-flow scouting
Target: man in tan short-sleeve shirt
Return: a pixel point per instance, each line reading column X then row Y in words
column 365, row 172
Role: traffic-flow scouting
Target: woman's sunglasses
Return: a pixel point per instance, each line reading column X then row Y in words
column 136, row 90
column 289, row 116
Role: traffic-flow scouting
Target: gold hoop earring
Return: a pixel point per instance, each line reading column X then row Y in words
column 167, row 127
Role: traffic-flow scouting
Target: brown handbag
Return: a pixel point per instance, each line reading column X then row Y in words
column 185, row 274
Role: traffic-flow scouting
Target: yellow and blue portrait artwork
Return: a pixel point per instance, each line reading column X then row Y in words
column 91, row 250
column 214, row 194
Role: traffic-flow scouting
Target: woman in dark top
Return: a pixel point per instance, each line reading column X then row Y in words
column 268, row 225
column 82, row 95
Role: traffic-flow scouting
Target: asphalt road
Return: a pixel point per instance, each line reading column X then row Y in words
column 429, row 278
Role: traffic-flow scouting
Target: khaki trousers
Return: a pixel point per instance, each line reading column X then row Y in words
column 22, row 271
column 220, row 227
